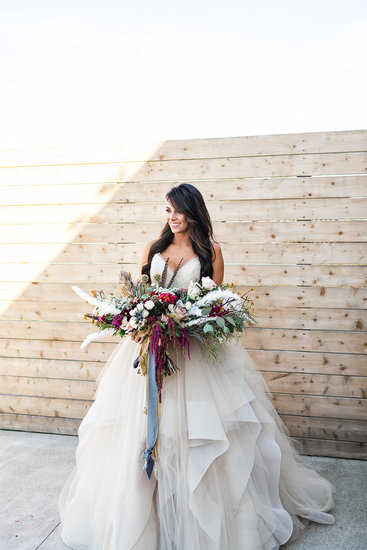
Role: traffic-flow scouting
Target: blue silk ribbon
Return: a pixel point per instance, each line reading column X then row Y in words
column 152, row 413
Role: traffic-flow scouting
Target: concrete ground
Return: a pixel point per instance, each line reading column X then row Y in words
column 34, row 467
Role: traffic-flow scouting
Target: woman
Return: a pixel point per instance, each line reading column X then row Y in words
column 227, row 476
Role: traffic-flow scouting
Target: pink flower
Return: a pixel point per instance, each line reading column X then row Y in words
column 180, row 312
column 208, row 283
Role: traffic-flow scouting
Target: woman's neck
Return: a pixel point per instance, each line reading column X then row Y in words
column 182, row 241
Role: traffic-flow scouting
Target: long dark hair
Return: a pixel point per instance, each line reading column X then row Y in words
column 188, row 200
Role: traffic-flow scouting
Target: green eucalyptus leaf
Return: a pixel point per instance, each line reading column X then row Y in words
column 230, row 320
column 208, row 328
column 220, row 322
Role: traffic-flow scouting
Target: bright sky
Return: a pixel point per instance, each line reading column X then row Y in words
column 108, row 71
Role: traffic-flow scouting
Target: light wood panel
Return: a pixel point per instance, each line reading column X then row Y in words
column 314, row 142
column 46, row 297
column 278, row 317
column 216, row 189
column 245, row 210
column 98, row 275
column 244, row 254
column 234, row 232
column 263, row 166
column 290, row 214
column 310, row 362
column 255, row 338
column 327, row 447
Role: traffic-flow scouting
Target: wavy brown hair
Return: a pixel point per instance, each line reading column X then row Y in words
column 188, row 200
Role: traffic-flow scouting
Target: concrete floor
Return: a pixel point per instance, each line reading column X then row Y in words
column 34, row 467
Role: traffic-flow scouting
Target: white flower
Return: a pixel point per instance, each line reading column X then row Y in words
column 145, row 313
column 149, row 304
column 133, row 322
column 207, row 283
column 139, row 307
column 171, row 307
column 125, row 324
column 193, row 290
column 188, row 305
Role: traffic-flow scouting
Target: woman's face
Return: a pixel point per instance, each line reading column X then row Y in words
column 177, row 221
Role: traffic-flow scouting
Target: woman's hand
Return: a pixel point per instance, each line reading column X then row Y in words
column 135, row 338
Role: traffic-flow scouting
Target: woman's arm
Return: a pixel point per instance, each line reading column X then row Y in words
column 218, row 264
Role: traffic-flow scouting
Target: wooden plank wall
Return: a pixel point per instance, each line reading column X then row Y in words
column 291, row 214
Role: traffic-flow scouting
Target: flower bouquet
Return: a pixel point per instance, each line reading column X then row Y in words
column 166, row 318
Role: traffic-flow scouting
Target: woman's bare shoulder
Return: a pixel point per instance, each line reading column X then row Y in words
column 216, row 246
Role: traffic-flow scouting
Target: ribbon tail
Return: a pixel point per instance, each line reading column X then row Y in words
column 152, row 415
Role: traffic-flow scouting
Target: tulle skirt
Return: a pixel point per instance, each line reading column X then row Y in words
column 228, row 477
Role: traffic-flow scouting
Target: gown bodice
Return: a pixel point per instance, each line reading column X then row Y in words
column 189, row 271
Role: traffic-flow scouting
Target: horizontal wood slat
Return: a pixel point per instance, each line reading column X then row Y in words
column 264, row 166
column 306, row 340
column 338, row 449
column 234, row 232
column 278, row 317
column 309, row 405
column 231, row 189
column 246, row 254
column 259, row 275
column 55, row 349
column 313, row 361
column 255, row 338
column 276, row 144
column 50, row 368
column 279, row 382
column 317, row 384
column 233, row 211
column 43, row 424
column 329, row 407
column 326, row 428
column 47, row 296
column 298, row 426
column 310, row 362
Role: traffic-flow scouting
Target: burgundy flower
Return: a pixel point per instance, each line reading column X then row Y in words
column 117, row 320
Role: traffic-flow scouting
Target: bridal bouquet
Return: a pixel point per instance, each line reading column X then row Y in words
column 166, row 316
column 209, row 312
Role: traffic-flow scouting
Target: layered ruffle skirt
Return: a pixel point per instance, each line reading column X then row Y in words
column 228, row 477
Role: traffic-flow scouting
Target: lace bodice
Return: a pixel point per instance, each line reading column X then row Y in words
column 189, row 271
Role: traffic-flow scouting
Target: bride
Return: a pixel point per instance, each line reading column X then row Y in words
column 227, row 477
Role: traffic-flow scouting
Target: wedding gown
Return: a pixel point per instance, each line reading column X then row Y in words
column 227, row 478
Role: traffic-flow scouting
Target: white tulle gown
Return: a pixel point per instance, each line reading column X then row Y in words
column 228, row 477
